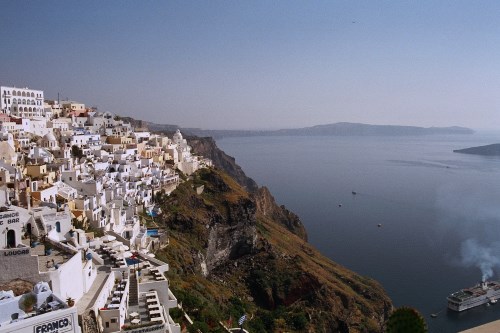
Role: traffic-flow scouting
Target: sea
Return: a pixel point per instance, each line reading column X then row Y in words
column 424, row 222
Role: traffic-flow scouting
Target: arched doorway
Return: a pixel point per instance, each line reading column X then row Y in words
column 11, row 238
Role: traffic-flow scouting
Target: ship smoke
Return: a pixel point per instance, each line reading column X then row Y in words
column 469, row 217
column 482, row 257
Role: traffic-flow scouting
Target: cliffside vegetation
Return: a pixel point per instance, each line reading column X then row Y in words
column 233, row 252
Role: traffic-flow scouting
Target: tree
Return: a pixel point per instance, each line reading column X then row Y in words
column 406, row 320
column 76, row 152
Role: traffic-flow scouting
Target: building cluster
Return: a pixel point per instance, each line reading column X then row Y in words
column 66, row 169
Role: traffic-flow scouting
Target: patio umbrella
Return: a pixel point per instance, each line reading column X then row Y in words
column 108, row 238
column 116, row 243
column 127, row 254
column 121, row 248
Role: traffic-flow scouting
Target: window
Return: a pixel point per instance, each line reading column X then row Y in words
column 113, row 320
column 58, row 226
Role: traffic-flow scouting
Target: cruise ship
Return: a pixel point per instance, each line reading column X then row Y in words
column 482, row 293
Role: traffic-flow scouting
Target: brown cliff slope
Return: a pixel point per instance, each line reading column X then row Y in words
column 228, row 258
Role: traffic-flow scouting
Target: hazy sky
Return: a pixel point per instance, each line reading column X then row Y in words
column 262, row 64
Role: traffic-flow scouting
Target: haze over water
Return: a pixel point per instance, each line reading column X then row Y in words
column 436, row 207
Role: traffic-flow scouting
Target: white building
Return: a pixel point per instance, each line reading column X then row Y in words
column 51, row 314
column 21, row 102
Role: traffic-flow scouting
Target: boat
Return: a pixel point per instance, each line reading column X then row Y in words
column 493, row 300
column 482, row 293
column 354, row 192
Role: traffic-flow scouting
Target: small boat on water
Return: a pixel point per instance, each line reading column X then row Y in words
column 379, row 225
column 354, row 192
column 493, row 300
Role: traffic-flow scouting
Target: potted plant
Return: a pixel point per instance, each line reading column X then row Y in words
column 70, row 301
column 28, row 302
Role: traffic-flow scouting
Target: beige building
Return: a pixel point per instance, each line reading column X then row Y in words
column 119, row 140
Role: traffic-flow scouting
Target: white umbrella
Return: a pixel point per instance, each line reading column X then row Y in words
column 116, row 243
column 121, row 248
column 108, row 238
column 127, row 254
column 151, row 255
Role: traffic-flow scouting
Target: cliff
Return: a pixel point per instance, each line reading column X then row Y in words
column 266, row 205
column 488, row 150
column 228, row 256
column 207, row 147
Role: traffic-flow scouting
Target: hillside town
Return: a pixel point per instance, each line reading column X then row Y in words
column 77, row 187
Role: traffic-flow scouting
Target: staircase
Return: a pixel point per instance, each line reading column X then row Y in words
column 40, row 226
column 132, row 290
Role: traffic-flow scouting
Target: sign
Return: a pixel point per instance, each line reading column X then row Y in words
column 16, row 252
column 9, row 218
column 56, row 325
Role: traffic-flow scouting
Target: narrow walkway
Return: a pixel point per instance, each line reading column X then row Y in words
column 89, row 298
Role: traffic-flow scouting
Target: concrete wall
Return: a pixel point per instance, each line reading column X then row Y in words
column 67, row 280
column 26, row 265
column 66, row 319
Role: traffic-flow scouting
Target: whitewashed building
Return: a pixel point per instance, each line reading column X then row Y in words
column 21, row 102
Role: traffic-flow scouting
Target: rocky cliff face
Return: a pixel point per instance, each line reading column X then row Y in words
column 266, row 204
column 232, row 252
column 208, row 148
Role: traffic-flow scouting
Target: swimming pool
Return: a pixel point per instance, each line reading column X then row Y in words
column 152, row 233
column 132, row 261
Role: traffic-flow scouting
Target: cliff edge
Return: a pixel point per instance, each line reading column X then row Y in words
column 229, row 254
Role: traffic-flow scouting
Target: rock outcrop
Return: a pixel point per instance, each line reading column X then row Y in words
column 208, row 148
column 267, row 206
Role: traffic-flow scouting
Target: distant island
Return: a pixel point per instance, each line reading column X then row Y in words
column 488, row 150
column 337, row 129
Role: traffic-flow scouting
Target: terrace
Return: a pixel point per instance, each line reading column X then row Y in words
column 148, row 312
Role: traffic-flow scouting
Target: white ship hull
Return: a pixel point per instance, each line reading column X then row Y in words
column 475, row 296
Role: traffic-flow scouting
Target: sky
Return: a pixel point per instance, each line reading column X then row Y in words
column 261, row 64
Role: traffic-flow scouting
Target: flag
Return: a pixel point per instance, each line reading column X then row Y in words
column 242, row 320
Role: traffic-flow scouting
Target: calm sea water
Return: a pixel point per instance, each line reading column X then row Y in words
column 439, row 210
